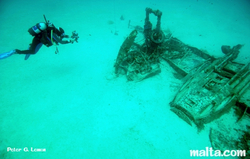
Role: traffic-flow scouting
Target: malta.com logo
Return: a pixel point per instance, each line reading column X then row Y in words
column 209, row 152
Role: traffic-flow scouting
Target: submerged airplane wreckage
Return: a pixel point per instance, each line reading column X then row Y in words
column 211, row 85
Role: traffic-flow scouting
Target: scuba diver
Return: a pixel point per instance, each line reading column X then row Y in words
column 44, row 34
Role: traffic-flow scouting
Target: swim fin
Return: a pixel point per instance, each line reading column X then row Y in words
column 27, row 56
column 7, row 54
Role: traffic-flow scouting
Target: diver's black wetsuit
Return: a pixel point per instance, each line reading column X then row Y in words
column 44, row 38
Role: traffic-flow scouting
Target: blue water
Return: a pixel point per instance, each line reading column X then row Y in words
column 72, row 105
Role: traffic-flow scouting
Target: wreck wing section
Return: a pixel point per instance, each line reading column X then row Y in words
column 184, row 58
column 212, row 90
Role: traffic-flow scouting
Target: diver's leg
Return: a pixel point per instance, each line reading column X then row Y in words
column 36, row 50
column 33, row 49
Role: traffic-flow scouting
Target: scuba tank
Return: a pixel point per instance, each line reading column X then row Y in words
column 38, row 28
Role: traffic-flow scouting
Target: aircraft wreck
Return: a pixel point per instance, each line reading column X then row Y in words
column 211, row 87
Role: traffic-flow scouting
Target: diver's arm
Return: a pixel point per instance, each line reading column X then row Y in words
column 65, row 41
column 62, row 40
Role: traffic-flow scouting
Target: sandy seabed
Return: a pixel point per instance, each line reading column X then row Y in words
column 70, row 104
